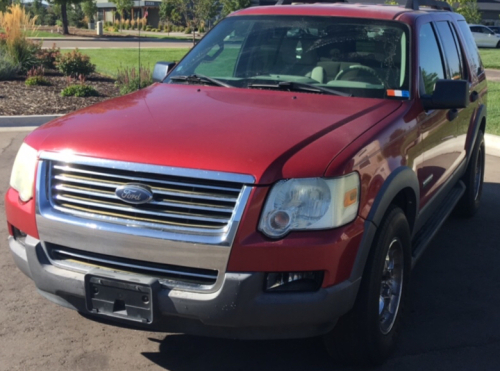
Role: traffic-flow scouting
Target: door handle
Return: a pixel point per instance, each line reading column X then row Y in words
column 474, row 96
column 452, row 114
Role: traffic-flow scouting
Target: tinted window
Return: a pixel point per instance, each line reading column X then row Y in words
column 450, row 50
column 474, row 29
column 474, row 58
column 431, row 64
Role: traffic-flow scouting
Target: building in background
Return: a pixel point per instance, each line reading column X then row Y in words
column 490, row 11
column 107, row 11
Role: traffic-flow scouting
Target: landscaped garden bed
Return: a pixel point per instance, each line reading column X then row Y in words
column 18, row 99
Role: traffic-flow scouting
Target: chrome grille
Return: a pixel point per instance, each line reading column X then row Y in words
column 189, row 204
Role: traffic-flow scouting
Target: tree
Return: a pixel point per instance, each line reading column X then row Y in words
column 64, row 12
column 184, row 9
column 229, row 6
column 38, row 10
column 4, row 4
column 206, row 10
column 89, row 8
column 167, row 10
column 467, row 8
column 122, row 6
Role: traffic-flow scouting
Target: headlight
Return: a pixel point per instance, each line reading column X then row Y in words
column 310, row 203
column 22, row 178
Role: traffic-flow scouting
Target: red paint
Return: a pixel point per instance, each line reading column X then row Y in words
column 233, row 130
column 268, row 134
column 20, row 214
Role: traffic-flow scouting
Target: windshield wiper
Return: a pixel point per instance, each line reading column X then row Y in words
column 201, row 79
column 299, row 86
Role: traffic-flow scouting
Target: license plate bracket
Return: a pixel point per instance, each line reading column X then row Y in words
column 112, row 295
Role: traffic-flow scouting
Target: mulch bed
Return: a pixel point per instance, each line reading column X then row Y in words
column 18, row 99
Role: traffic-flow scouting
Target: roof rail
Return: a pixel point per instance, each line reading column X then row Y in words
column 415, row 4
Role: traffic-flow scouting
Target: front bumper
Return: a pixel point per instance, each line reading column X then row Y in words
column 238, row 309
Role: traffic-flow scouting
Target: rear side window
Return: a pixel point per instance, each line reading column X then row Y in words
column 430, row 61
column 451, row 51
column 474, row 58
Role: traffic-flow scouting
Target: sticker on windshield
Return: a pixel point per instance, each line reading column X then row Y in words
column 398, row 93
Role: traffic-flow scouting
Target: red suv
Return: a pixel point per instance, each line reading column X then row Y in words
column 280, row 181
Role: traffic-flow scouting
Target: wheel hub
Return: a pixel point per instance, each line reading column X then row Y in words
column 391, row 286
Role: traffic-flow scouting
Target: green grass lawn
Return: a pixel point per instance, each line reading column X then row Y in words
column 108, row 61
column 490, row 57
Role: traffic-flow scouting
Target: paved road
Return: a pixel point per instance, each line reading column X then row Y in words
column 114, row 43
column 453, row 321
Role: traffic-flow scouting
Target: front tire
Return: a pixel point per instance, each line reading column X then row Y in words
column 473, row 179
column 367, row 335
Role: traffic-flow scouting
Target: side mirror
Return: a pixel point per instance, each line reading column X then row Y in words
column 161, row 70
column 448, row 94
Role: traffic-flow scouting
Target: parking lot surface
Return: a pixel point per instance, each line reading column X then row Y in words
column 452, row 321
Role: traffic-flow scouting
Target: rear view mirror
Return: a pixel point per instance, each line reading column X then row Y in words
column 161, row 70
column 448, row 94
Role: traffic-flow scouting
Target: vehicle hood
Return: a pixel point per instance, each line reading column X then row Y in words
column 253, row 132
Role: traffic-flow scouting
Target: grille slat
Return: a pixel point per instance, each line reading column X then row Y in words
column 156, row 190
column 130, row 178
column 189, row 203
column 112, row 196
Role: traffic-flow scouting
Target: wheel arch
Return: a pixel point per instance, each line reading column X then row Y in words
column 401, row 188
column 479, row 124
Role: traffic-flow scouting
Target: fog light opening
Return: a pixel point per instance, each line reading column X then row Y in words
column 19, row 235
column 294, row 281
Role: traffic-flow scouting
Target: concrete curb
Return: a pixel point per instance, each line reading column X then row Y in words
column 27, row 122
column 23, row 121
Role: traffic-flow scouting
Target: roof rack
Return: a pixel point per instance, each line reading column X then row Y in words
column 415, row 4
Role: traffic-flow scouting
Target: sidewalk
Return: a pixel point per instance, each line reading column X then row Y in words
column 492, row 75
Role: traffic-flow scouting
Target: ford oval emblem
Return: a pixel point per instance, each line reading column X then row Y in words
column 134, row 193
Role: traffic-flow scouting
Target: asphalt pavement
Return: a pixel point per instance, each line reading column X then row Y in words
column 452, row 321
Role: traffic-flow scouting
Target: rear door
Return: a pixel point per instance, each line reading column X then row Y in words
column 439, row 133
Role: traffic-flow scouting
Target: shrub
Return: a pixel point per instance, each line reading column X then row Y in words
column 23, row 51
column 201, row 29
column 148, row 28
column 59, row 23
column 127, row 79
column 8, row 67
column 36, row 80
column 74, row 64
column 188, row 30
column 79, row 91
column 35, row 77
column 48, row 57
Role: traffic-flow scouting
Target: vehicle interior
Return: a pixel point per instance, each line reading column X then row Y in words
column 360, row 57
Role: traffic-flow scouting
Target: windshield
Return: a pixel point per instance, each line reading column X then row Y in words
column 362, row 58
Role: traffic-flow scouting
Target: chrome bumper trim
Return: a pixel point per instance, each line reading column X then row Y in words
column 173, row 246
